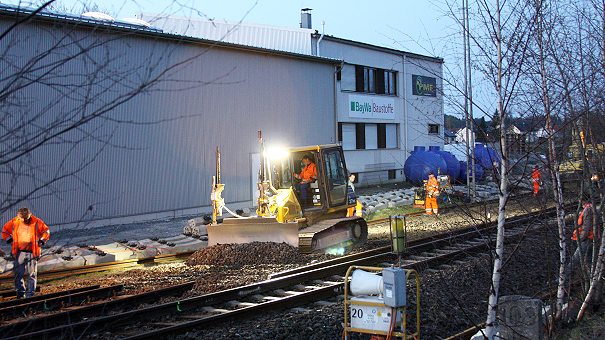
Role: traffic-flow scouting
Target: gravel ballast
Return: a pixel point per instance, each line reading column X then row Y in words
column 246, row 254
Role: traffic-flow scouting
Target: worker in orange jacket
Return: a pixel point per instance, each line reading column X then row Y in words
column 583, row 235
column 307, row 176
column 27, row 234
column 536, row 176
column 432, row 192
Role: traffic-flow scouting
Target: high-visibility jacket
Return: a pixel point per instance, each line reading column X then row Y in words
column 309, row 173
column 536, row 175
column 581, row 225
column 432, row 187
column 39, row 232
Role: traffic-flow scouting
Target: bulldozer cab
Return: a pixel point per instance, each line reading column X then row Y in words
column 328, row 191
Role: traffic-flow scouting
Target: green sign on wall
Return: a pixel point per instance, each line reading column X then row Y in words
column 424, row 86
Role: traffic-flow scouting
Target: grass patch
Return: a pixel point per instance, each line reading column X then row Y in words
column 591, row 327
column 386, row 212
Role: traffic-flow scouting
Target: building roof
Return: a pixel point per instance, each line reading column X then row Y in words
column 448, row 133
column 26, row 14
column 381, row 48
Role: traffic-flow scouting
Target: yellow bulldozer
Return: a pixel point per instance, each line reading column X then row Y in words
column 319, row 222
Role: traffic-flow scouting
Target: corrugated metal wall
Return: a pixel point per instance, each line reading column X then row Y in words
column 161, row 155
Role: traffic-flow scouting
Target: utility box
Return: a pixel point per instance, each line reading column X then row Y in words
column 370, row 315
column 394, row 287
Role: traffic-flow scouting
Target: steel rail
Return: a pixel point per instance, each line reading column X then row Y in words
column 14, row 302
column 68, row 316
column 60, row 301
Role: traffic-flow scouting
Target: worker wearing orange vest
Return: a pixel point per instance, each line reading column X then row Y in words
column 536, row 177
column 307, row 176
column 432, row 191
column 583, row 235
column 27, row 234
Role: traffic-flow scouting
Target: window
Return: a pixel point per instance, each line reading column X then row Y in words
column 433, row 128
column 360, row 136
column 336, row 178
column 382, row 136
column 392, row 174
column 371, row 136
column 391, row 136
column 347, row 135
column 373, row 80
column 364, row 136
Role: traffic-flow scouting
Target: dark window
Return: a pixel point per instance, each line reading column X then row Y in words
column 340, row 132
column 380, row 81
column 433, row 128
column 359, row 78
column 360, row 135
column 392, row 174
column 382, row 136
column 375, row 80
column 339, row 74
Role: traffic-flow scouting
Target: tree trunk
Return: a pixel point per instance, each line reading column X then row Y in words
column 492, row 308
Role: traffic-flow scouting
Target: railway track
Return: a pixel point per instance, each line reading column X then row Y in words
column 283, row 290
column 7, row 279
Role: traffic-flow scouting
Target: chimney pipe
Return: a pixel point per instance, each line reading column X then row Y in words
column 305, row 18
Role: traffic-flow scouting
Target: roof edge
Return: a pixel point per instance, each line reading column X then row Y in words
column 380, row 48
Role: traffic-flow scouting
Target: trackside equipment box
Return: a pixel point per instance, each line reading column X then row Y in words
column 394, row 287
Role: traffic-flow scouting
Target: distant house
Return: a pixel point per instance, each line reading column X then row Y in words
column 449, row 137
column 536, row 136
column 461, row 135
column 516, row 141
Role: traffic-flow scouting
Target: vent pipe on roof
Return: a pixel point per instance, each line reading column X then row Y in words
column 305, row 18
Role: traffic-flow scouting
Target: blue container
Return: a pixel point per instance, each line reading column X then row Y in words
column 420, row 163
column 494, row 157
column 486, row 157
column 478, row 171
column 453, row 165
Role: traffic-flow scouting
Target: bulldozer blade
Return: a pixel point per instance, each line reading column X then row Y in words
column 249, row 230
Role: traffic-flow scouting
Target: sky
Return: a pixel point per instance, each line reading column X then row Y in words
column 424, row 27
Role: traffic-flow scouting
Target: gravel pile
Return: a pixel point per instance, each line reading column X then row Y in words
column 246, row 254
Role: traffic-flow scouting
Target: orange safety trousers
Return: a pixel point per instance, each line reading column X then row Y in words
column 430, row 204
column 536, row 187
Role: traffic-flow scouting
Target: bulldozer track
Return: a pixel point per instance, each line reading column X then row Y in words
column 283, row 290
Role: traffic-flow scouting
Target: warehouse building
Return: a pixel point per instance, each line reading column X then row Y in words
column 164, row 99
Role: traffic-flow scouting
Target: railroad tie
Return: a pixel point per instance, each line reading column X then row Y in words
column 240, row 304
column 213, row 310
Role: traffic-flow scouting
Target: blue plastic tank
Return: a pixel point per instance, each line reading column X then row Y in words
column 479, row 173
column 453, row 165
column 420, row 163
column 494, row 156
column 487, row 157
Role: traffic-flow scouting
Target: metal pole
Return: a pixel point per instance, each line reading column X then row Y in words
column 466, row 123
column 470, row 100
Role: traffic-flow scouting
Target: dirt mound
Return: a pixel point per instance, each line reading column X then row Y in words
column 246, row 253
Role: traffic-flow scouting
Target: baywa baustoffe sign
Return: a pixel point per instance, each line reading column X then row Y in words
column 371, row 107
column 424, row 86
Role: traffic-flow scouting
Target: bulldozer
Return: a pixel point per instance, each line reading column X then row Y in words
column 317, row 223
